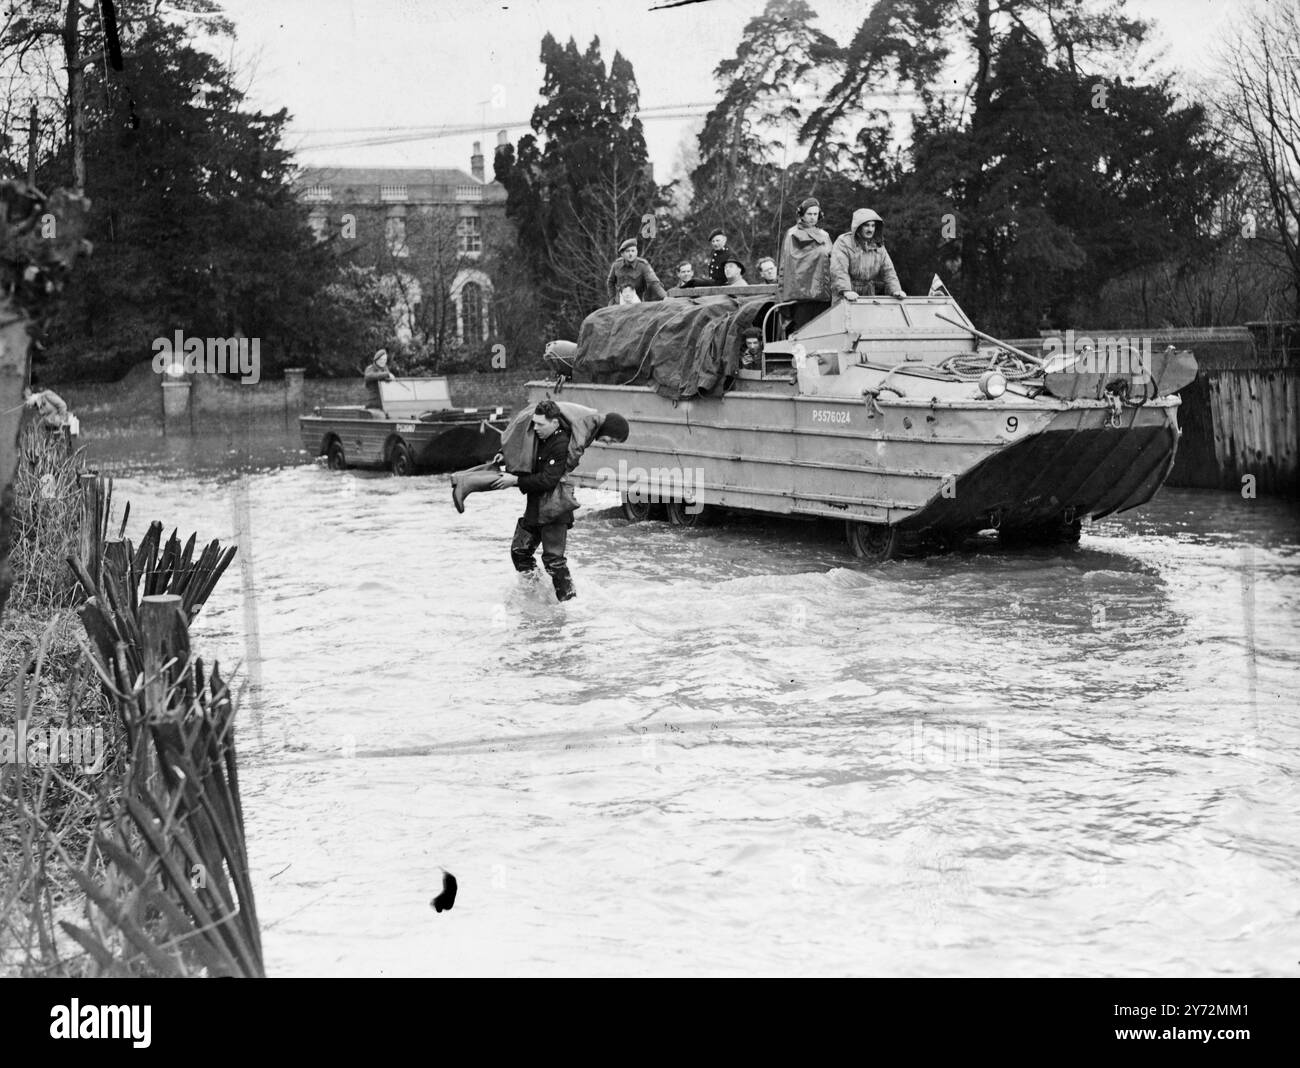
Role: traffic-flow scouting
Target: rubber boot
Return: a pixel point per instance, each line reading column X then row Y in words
column 463, row 483
column 564, row 590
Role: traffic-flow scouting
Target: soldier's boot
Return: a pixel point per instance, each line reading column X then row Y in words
column 523, row 548
column 564, row 590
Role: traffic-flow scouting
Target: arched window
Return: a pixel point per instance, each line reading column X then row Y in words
column 471, row 311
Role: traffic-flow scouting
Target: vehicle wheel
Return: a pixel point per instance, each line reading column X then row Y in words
column 336, row 459
column 681, row 514
column 875, row 542
column 400, row 460
column 636, row 511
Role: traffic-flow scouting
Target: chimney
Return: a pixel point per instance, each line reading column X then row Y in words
column 502, row 139
column 476, row 162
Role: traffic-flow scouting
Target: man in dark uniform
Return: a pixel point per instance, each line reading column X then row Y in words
column 549, row 467
column 718, row 257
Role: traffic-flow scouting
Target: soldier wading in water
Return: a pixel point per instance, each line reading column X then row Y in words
column 561, row 437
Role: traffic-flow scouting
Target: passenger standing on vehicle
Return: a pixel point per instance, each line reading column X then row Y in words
column 805, row 265
column 686, row 275
column 767, row 270
column 718, row 257
column 859, row 262
column 377, row 372
column 734, row 271
column 629, row 271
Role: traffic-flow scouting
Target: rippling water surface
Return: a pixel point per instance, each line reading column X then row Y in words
column 738, row 752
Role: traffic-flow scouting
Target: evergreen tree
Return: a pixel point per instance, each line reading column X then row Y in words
column 745, row 173
column 194, row 221
column 581, row 181
column 1059, row 183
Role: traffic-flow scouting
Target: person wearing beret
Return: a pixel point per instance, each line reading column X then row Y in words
column 629, row 271
column 805, row 265
column 718, row 256
column 376, row 371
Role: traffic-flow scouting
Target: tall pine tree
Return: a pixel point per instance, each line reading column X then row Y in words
column 581, row 182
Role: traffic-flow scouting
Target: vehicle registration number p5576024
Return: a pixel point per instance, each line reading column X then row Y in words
column 829, row 415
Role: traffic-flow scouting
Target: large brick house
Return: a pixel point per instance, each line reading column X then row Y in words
column 424, row 230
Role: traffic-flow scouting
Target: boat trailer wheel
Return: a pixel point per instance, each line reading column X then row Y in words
column 335, row 458
column 871, row 541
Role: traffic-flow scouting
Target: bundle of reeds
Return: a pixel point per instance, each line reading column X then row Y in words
column 175, row 839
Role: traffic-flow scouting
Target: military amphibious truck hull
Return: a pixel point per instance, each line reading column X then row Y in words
column 859, row 420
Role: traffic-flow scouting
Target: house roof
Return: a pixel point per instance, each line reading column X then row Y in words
column 422, row 183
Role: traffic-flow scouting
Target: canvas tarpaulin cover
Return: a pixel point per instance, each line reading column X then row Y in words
column 683, row 346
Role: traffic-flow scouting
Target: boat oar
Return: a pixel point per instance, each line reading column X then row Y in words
column 989, row 337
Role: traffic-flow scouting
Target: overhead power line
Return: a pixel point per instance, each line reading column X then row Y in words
column 396, row 134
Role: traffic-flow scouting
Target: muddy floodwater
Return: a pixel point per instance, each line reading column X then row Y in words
column 738, row 751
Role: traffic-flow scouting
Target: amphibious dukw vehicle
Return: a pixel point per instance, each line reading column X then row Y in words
column 896, row 417
column 417, row 429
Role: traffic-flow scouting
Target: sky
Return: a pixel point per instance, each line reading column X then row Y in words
column 360, row 70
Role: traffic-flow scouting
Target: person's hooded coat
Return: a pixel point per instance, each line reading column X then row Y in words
column 805, row 261
column 865, row 269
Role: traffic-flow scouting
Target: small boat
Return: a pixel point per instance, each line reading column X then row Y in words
column 898, row 418
column 418, row 429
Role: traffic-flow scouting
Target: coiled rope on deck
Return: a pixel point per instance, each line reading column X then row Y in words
column 969, row 366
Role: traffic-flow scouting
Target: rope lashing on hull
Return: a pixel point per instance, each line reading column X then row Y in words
column 872, row 396
column 1116, row 410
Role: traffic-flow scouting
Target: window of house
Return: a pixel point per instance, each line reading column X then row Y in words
column 318, row 224
column 469, row 233
column 395, row 236
column 471, row 313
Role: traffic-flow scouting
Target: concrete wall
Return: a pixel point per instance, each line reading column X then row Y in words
column 139, row 395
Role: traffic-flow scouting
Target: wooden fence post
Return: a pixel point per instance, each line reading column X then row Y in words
column 88, row 488
column 161, row 623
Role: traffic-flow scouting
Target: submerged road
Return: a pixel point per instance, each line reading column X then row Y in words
column 737, row 752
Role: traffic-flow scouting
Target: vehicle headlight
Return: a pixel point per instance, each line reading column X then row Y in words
column 993, row 384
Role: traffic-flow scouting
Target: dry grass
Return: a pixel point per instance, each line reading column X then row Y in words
column 46, row 521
